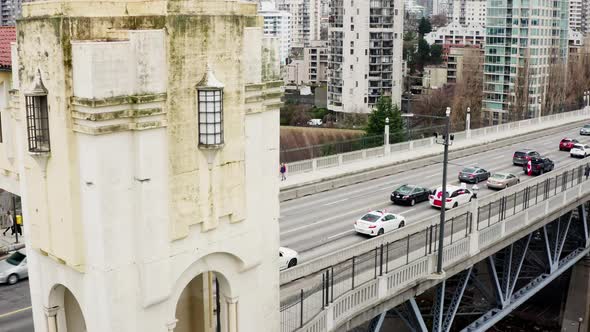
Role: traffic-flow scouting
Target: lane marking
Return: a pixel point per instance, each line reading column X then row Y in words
column 332, row 218
column 336, row 202
column 14, row 312
column 431, row 176
column 342, row 233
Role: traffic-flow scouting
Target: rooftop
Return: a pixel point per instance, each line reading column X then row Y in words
column 7, row 36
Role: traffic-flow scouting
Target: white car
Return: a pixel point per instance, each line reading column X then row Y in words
column 287, row 258
column 14, row 268
column 580, row 150
column 455, row 196
column 378, row 222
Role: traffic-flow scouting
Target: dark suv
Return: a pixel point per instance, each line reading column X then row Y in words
column 539, row 166
column 521, row 157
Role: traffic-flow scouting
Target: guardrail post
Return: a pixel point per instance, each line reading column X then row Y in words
column 314, row 164
column 381, row 261
column 353, row 257
column 376, row 262
column 408, row 250
column 332, row 285
column 340, row 160
column 411, row 145
column 323, row 290
column 301, row 301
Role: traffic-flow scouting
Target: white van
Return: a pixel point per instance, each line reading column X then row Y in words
column 315, row 122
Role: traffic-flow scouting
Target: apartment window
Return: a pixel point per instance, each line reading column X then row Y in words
column 351, row 51
column 352, row 27
column 210, row 111
column 37, row 117
column 351, row 67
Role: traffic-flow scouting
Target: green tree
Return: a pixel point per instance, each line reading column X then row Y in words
column 436, row 54
column 376, row 122
column 423, row 53
column 424, row 26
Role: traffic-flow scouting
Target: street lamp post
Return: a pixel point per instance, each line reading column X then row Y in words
column 446, row 141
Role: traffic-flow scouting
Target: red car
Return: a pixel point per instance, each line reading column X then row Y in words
column 567, row 144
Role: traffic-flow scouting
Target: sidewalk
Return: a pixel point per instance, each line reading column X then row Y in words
column 8, row 242
column 306, row 178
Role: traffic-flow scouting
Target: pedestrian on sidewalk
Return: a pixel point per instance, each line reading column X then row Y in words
column 283, row 170
column 587, row 171
column 9, row 224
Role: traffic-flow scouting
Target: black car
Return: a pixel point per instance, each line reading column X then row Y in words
column 539, row 166
column 473, row 174
column 409, row 194
column 521, row 157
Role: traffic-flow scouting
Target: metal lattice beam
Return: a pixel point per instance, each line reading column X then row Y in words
column 456, row 300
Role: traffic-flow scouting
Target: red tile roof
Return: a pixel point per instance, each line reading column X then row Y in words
column 7, row 36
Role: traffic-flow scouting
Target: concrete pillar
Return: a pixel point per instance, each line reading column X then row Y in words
column 468, row 123
column 232, row 314
column 51, row 314
column 386, row 136
column 170, row 326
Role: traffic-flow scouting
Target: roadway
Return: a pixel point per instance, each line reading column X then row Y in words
column 15, row 308
column 323, row 223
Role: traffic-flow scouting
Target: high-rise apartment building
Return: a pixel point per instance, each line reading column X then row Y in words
column 365, row 59
column 575, row 14
column 305, row 20
column 579, row 15
column 469, row 12
column 277, row 23
column 10, row 11
column 522, row 40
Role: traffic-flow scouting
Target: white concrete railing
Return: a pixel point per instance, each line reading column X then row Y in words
column 311, row 165
column 420, row 264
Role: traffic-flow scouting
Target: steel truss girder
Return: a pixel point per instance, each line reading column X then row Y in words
column 376, row 323
column 456, row 300
column 522, row 295
column 410, row 314
column 554, row 246
column 558, row 266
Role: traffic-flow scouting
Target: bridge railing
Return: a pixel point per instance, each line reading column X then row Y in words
column 409, row 254
column 336, row 160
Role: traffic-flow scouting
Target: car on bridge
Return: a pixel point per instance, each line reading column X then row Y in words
column 580, row 151
column 567, row 144
column 455, row 196
column 473, row 174
column 409, row 194
column 502, row 180
column 378, row 223
column 14, row 268
column 585, row 130
column 538, row 166
column 521, row 157
column 287, row 258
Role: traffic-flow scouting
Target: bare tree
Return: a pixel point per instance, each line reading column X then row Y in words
column 555, row 92
column 469, row 90
column 519, row 104
column 578, row 79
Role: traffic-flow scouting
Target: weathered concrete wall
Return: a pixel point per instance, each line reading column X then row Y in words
column 127, row 209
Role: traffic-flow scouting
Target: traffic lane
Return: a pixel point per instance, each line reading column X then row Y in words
column 550, row 142
column 15, row 312
column 395, row 255
column 359, row 205
column 310, row 240
column 322, row 205
column 18, row 321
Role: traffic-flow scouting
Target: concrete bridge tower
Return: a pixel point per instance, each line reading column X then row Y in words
column 148, row 152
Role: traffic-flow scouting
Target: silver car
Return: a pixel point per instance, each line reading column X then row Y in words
column 502, row 180
column 585, row 130
column 14, row 268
